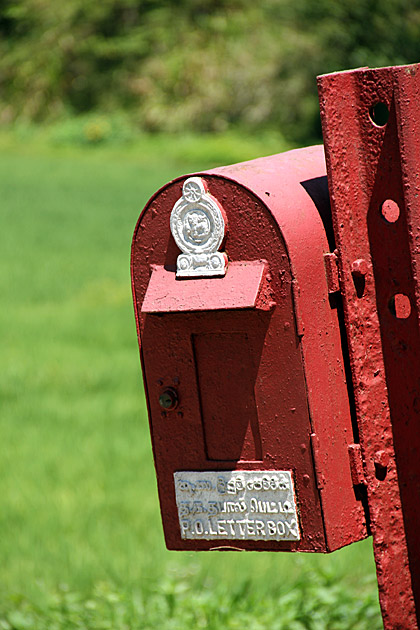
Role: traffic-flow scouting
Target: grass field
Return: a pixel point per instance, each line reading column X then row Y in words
column 81, row 544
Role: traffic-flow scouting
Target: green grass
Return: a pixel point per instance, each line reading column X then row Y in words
column 81, row 544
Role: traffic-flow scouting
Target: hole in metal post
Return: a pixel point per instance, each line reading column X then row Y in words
column 400, row 306
column 359, row 285
column 390, row 211
column 379, row 114
column 380, row 472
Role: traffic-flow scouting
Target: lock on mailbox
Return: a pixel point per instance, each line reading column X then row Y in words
column 242, row 360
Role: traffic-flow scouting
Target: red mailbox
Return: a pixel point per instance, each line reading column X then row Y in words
column 238, row 323
column 280, row 341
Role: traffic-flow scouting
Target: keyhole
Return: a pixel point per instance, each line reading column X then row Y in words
column 168, row 399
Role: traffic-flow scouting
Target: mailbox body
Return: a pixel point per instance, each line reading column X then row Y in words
column 254, row 357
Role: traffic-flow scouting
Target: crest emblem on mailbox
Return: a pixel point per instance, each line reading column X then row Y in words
column 198, row 227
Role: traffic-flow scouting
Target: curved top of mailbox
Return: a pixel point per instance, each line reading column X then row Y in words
column 291, row 185
column 293, row 188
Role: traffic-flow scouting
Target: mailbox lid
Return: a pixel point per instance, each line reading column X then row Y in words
column 245, row 286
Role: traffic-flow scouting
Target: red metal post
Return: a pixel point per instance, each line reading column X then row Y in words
column 371, row 125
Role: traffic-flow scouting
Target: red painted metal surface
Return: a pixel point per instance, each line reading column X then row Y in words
column 260, row 380
column 373, row 171
column 246, row 286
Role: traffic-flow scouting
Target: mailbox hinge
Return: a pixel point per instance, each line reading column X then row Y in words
column 331, row 272
column 320, row 478
column 356, row 465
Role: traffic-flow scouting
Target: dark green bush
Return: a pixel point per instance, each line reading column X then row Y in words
column 201, row 65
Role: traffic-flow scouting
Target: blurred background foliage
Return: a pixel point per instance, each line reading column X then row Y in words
column 158, row 88
column 192, row 65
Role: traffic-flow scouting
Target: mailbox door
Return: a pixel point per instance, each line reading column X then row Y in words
column 234, row 365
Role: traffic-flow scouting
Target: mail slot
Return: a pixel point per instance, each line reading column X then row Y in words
column 242, row 359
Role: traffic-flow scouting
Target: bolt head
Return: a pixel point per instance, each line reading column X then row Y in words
column 306, row 480
column 359, row 268
column 381, row 459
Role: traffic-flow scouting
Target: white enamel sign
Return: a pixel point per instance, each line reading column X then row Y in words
column 236, row 505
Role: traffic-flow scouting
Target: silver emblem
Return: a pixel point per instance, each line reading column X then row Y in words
column 198, row 228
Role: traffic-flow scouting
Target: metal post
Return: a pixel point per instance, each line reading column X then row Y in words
column 371, row 126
